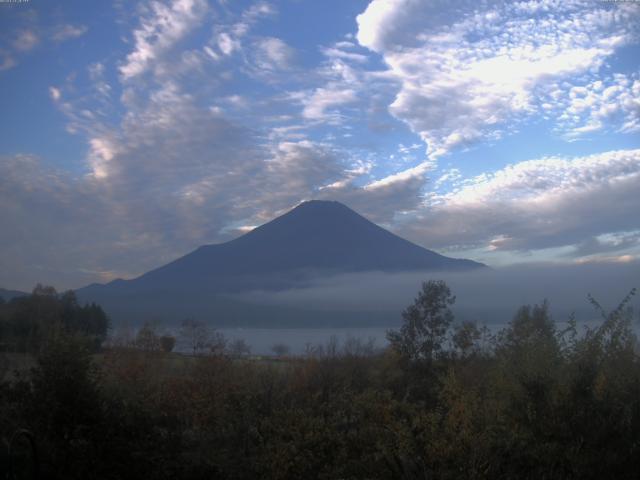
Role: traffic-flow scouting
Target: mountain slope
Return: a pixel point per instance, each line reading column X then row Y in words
column 317, row 238
column 7, row 295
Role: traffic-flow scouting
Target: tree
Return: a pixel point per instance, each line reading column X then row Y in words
column 217, row 343
column 88, row 320
column 465, row 338
column 167, row 342
column 44, row 291
column 281, row 349
column 239, row 348
column 147, row 339
column 123, row 336
column 531, row 330
column 31, row 321
column 197, row 335
column 425, row 323
column 64, row 405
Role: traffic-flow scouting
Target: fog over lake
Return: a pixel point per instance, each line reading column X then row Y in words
column 488, row 297
column 492, row 294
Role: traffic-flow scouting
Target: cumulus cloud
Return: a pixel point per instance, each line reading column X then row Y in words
column 466, row 73
column 601, row 104
column 381, row 19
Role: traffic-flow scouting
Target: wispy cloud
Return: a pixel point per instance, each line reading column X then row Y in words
column 26, row 32
column 318, row 103
column 161, row 27
column 65, row 32
column 273, row 54
column 26, row 40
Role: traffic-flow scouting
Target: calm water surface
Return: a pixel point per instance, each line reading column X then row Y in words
column 261, row 340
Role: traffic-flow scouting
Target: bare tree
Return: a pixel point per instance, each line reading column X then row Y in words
column 281, row 349
column 239, row 348
column 196, row 334
column 218, row 343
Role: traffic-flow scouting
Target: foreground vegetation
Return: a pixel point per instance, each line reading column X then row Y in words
column 443, row 401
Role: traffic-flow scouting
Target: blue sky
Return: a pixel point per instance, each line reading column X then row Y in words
column 131, row 133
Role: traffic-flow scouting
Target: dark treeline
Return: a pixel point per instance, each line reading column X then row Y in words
column 28, row 323
column 445, row 400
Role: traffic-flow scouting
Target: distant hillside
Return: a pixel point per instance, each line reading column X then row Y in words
column 315, row 239
column 9, row 294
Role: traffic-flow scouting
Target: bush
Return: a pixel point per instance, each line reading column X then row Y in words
column 167, row 343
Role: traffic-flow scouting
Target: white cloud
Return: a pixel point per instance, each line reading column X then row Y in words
column 61, row 224
column 228, row 38
column 450, row 176
column 97, row 75
column 25, row 33
column 302, row 166
column 338, row 53
column 257, row 11
column 418, row 172
column 188, row 158
column 322, row 99
column 536, row 204
column 67, row 32
column 54, row 93
column 609, row 102
column 6, row 60
column 26, row 40
column 160, row 29
column 467, row 74
column 227, row 44
column 379, row 17
column 101, row 153
column 273, row 54
column 608, row 243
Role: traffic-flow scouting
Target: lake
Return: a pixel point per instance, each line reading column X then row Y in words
column 261, row 340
